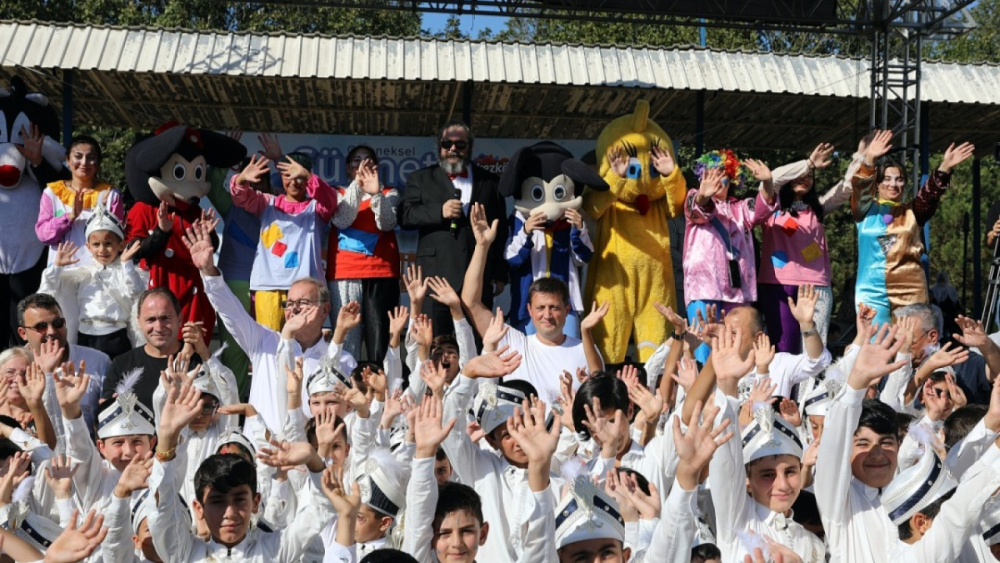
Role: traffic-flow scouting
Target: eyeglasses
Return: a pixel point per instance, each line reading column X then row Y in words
column 447, row 144
column 209, row 408
column 44, row 326
column 298, row 304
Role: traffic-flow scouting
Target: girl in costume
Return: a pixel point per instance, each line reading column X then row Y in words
column 890, row 272
column 794, row 251
column 718, row 243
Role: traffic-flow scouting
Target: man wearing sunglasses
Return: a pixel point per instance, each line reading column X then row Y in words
column 436, row 202
column 42, row 325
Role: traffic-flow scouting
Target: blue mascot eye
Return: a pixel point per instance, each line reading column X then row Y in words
column 634, row 169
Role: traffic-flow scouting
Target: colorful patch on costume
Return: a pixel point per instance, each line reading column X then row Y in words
column 59, row 213
column 271, row 235
column 356, row 240
column 811, row 252
column 279, row 249
column 886, row 242
column 291, row 259
column 779, row 259
column 790, row 226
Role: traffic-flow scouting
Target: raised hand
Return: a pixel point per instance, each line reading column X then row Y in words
column 617, row 161
column 493, row 364
column 696, row 447
column 973, row 334
column 183, row 405
column 179, row 372
column 495, row 332
column 573, row 217
column 484, row 231
column 293, row 170
column 256, row 170
column 595, row 316
column 566, row 398
column 413, row 279
column 947, row 355
column 764, row 353
column 306, row 317
column 953, row 156
column 64, row 254
column 614, row 487
column 294, row 378
column 367, row 177
column 50, row 354
column 198, row 240
column 15, row 471
column 790, row 412
column 687, row 373
column 32, row 386
column 958, row 397
column 377, row 383
column 394, row 406
column 606, row 432
column 878, row 147
column 398, row 318
column 31, row 143
column 193, row 334
column 651, row 404
column 820, row 157
column 77, row 543
column 435, row 376
column 649, row 506
column 527, row 427
column 271, row 147
column 131, row 249
column 349, row 316
column 708, row 324
column 288, row 454
column 135, row 477
column 679, row 323
column 761, row 391
column 661, row 160
column 711, row 184
column 59, row 476
column 759, row 170
column 327, row 429
column 346, row 505
column 71, row 385
column 357, row 400
column 422, row 330
column 876, row 358
column 443, row 293
column 164, row 218
column 428, row 429
column 804, row 308
column 726, row 356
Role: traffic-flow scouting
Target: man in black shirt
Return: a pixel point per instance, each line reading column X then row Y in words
column 159, row 318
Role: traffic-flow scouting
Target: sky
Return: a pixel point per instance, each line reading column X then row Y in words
column 471, row 25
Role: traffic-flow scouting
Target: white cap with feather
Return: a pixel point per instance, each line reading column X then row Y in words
column 234, row 436
column 125, row 415
column 494, row 404
column 769, row 435
column 818, row 400
column 326, row 377
column 587, row 513
column 917, row 486
column 103, row 219
column 383, row 481
column 17, row 517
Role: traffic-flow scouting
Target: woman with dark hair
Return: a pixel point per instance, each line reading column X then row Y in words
column 890, row 272
column 363, row 256
column 67, row 204
column 795, row 251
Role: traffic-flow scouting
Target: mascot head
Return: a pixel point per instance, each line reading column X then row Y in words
column 171, row 165
column 19, row 110
column 545, row 178
column 634, row 135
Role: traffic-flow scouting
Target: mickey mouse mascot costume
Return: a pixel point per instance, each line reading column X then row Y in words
column 548, row 236
column 25, row 166
column 167, row 174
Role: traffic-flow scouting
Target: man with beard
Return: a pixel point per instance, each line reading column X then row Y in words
column 42, row 325
column 436, row 202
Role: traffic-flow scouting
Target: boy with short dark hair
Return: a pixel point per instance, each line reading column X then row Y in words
column 227, row 498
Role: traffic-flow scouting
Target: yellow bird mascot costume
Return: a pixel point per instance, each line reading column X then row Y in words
column 631, row 267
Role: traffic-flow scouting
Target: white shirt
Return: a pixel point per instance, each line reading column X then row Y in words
column 657, row 461
column 787, row 370
column 541, row 364
column 267, row 388
column 105, row 294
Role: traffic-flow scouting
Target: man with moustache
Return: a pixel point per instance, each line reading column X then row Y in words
column 436, row 203
column 42, row 325
column 159, row 319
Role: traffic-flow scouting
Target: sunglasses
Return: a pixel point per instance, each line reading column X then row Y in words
column 447, row 144
column 44, row 326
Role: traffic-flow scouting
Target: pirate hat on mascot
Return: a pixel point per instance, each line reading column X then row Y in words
column 125, row 415
column 546, row 178
column 171, row 165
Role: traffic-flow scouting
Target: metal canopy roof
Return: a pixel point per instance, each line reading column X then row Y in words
column 143, row 77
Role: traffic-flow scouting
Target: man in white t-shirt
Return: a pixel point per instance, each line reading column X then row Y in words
column 548, row 352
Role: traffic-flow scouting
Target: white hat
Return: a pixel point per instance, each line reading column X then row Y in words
column 125, row 415
column 382, row 483
column 769, row 435
column 817, row 402
column 17, row 517
column 206, row 380
column 142, row 508
column 587, row 513
column 916, row 487
column 234, row 436
column 494, row 404
column 326, row 377
column 990, row 524
column 103, row 219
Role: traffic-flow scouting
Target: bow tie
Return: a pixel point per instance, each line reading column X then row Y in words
column 464, row 174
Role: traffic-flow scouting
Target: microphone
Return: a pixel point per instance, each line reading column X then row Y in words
column 454, row 223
